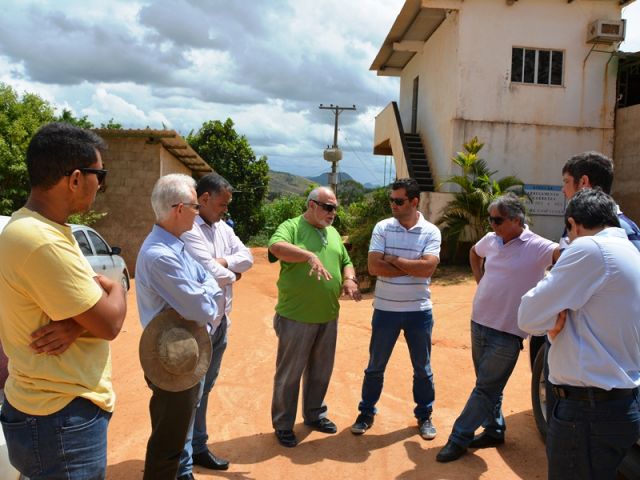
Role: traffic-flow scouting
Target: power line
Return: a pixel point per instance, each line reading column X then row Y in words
column 358, row 157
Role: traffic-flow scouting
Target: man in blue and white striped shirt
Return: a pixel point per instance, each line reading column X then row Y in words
column 403, row 254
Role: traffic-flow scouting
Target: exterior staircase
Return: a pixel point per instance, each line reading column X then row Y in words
column 417, row 163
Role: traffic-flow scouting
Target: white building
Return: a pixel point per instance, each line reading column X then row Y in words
column 535, row 80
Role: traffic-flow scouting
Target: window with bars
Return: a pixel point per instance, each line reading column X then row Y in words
column 542, row 67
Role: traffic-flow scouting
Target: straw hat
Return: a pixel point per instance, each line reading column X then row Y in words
column 174, row 352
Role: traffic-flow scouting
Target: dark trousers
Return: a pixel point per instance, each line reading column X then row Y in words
column 171, row 414
column 588, row 439
column 305, row 351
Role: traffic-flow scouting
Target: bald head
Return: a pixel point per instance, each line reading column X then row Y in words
column 321, row 207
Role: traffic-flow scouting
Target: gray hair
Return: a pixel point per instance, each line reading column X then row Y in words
column 169, row 190
column 510, row 206
column 315, row 193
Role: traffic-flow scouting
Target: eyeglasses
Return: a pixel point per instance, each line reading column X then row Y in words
column 196, row 206
column 101, row 173
column 327, row 207
column 496, row 220
column 398, row 201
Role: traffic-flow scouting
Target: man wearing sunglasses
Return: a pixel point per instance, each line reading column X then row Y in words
column 57, row 316
column 403, row 254
column 213, row 244
column 514, row 260
column 586, row 170
column 315, row 269
column 594, row 360
column 168, row 277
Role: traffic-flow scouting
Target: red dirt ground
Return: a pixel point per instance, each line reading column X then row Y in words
column 239, row 408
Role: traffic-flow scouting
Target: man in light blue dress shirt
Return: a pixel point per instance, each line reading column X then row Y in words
column 588, row 305
column 168, row 277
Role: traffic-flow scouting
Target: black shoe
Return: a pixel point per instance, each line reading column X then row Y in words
column 187, row 476
column 323, row 425
column 287, row 438
column 450, row 452
column 208, row 460
column 485, row 440
column 363, row 423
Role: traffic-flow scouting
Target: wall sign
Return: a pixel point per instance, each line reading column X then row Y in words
column 545, row 200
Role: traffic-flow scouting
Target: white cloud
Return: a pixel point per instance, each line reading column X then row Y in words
column 632, row 14
column 122, row 111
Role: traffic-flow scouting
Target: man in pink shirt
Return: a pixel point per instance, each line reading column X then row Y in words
column 515, row 259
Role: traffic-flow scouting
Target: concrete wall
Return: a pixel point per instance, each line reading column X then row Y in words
column 626, row 159
column 528, row 130
column 439, row 83
column 134, row 167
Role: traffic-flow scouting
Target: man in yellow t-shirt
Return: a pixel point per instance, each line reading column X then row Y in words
column 56, row 316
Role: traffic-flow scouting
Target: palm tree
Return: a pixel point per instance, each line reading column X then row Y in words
column 464, row 218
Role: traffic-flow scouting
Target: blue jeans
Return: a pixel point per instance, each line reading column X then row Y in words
column 588, row 440
column 495, row 354
column 196, row 441
column 67, row 445
column 385, row 329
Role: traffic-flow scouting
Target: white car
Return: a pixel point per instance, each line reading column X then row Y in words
column 104, row 260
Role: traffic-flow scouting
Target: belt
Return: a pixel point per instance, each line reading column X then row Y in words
column 592, row 393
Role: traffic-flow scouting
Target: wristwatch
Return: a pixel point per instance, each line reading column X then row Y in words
column 353, row 279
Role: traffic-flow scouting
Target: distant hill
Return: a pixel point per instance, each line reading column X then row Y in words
column 281, row 183
column 323, row 178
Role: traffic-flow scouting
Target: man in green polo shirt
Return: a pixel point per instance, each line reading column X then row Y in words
column 315, row 269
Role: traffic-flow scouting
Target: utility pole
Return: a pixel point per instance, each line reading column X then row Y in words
column 334, row 154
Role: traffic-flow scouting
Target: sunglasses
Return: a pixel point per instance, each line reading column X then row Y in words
column 196, row 206
column 327, row 207
column 496, row 220
column 101, row 173
column 398, row 201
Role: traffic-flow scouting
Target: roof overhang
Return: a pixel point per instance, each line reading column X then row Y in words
column 170, row 140
column 415, row 24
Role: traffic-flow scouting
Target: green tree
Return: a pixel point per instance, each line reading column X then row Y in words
column 20, row 118
column 230, row 155
column 350, row 192
column 279, row 210
column 111, row 125
column 363, row 216
column 464, row 218
column 67, row 117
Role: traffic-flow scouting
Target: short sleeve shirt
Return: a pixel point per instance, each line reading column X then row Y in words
column 406, row 293
column 301, row 297
column 510, row 271
column 44, row 277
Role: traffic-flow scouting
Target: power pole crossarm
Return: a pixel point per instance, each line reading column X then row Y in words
column 337, row 110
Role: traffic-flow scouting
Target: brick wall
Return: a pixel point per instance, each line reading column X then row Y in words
column 134, row 167
column 626, row 161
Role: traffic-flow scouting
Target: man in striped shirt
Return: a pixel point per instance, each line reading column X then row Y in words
column 403, row 254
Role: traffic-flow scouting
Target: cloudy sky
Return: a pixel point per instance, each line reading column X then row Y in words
column 179, row 63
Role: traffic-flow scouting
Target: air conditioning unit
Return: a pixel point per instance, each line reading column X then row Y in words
column 606, row 31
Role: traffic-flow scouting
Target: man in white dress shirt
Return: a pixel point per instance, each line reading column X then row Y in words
column 589, row 306
column 213, row 244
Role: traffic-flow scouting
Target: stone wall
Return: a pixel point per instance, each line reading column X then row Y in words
column 626, row 160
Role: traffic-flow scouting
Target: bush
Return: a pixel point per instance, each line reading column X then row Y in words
column 363, row 216
column 281, row 209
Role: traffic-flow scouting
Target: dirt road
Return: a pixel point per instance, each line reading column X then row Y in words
column 239, row 408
